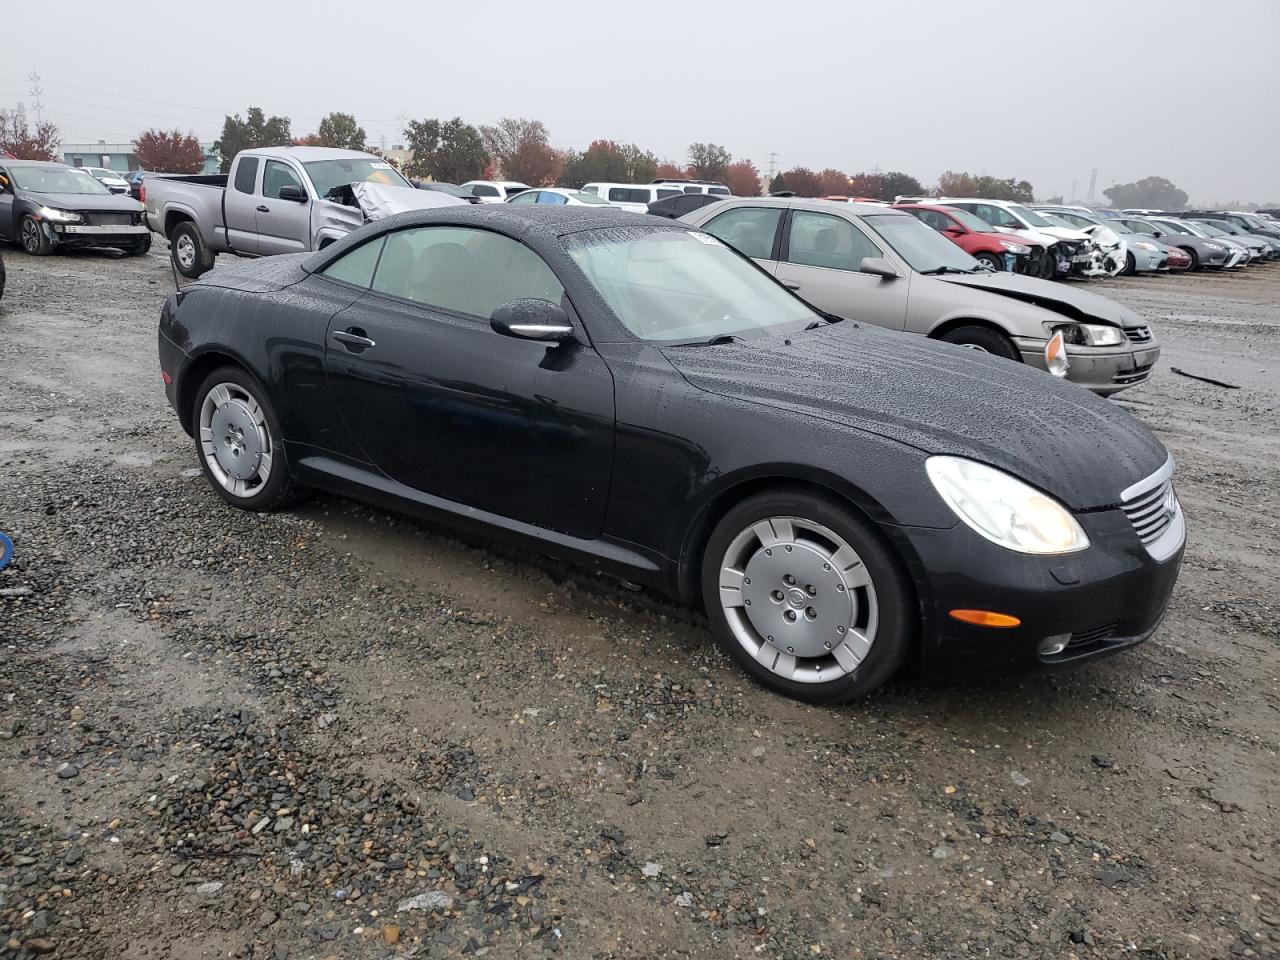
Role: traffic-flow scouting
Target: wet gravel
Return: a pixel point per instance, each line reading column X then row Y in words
column 331, row 732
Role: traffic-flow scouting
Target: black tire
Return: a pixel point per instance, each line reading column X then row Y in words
column 1048, row 264
column 1195, row 258
column 194, row 260
column 1130, row 265
column 139, row 248
column 893, row 598
column 986, row 339
column 33, row 238
column 279, row 487
column 990, row 259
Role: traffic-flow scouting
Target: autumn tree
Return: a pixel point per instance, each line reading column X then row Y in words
column 865, row 185
column 168, row 151
column 256, row 130
column 833, row 183
column 449, row 151
column 511, row 137
column 1153, row 193
column 743, row 179
column 669, row 171
column 609, row 162
column 708, row 161
column 953, row 184
column 534, row 163
column 803, row 182
column 19, row 138
column 341, row 130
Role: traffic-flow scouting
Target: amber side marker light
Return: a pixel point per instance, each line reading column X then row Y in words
column 985, row 618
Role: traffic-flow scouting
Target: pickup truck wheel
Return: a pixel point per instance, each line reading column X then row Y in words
column 984, row 339
column 34, row 240
column 190, row 255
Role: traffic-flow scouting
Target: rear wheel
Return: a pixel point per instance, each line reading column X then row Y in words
column 190, row 254
column 807, row 597
column 238, row 441
column 986, row 339
column 34, row 240
column 991, row 260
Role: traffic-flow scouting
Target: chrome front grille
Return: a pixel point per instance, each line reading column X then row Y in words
column 1138, row 334
column 1152, row 512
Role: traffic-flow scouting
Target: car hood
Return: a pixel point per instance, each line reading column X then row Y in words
column 1063, row 233
column 940, row 399
column 1068, row 300
column 115, row 202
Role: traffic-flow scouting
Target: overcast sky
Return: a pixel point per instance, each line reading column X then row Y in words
column 1186, row 89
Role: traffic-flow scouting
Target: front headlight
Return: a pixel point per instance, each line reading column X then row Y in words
column 1017, row 248
column 1087, row 334
column 60, row 216
column 1214, row 246
column 1005, row 510
column 1145, row 246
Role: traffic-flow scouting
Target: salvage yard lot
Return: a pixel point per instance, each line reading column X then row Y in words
column 224, row 734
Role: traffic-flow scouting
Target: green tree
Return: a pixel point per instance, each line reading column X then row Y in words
column 341, row 130
column 708, row 161
column 1155, row 193
column 898, row 184
column 448, row 151
column 609, row 162
column 953, row 184
column 168, row 151
column 256, row 130
column 803, row 182
column 778, row 184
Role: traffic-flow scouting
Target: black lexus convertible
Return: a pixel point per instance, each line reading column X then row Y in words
column 634, row 395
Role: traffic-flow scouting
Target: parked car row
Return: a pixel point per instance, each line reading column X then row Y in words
column 636, row 395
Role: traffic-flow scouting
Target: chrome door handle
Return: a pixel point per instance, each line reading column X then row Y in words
column 263, row 208
column 354, row 340
column 791, row 284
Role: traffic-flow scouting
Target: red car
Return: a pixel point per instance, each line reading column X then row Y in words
column 1000, row 251
column 1179, row 259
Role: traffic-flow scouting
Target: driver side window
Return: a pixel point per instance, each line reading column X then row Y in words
column 823, row 240
column 277, row 175
column 529, row 196
column 462, row 270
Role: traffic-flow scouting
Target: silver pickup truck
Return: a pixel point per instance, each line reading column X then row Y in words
column 274, row 200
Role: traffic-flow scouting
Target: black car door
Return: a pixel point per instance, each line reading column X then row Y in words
column 8, row 206
column 440, row 402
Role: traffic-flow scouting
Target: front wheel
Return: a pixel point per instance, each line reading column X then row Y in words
column 991, row 260
column 1130, row 265
column 1195, row 258
column 238, row 441
column 138, row 248
column 34, row 240
column 806, row 597
column 190, row 254
column 984, row 339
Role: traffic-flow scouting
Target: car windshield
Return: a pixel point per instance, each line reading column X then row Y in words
column 1028, row 216
column 1210, row 229
column 1116, row 226
column 1224, row 226
column 1180, row 228
column 1053, row 220
column 924, row 248
column 56, row 180
column 672, row 286
column 327, row 174
column 970, row 220
column 589, row 198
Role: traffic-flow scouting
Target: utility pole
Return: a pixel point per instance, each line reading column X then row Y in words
column 1074, row 184
column 1093, row 183
column 36, row 103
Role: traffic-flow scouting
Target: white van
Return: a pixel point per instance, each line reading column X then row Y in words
column 635, row 197
column 696, row 186
column 494, row 191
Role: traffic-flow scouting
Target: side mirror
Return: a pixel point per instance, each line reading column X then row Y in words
column 878, row 267
column 954, row 231
column 291, row 191
column 532, row 319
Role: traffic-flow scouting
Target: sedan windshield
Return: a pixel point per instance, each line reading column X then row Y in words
column 56, row 180
column 681, row 286
column 1029, row 217
column 924, row 248
column 327, row 174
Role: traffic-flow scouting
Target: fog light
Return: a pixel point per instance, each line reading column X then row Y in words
column 1052, row 646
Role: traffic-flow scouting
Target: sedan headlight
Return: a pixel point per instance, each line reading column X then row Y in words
column 1214, row 246
column 1017, row 248
column 1088, row 334
column 60, row 216
column 1005, row 510
column 1143, row 245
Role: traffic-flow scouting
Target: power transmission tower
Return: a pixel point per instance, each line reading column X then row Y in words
column 1093, row 183
column 773, row 165
column 1074, row 184
column 36, row 93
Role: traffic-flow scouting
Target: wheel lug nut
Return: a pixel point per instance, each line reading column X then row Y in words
column 768, row 553
column 788, row 549
column 840, row 588
column 791, row 649
column 839, row 629
column 811, row 613
column 789, row 580
column 811, row 590
column 827, row 644
column 746, row 579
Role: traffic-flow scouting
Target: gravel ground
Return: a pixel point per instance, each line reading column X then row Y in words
column 331, row 732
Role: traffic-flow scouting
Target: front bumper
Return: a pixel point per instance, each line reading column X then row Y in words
column 89, row 235
column 1104, row 370
column 1098, row 602
column 1146, row 260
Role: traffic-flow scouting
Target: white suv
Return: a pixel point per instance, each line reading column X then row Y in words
column 494, row 191
column 635, row 197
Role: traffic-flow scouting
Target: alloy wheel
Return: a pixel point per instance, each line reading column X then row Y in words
column 799, row 599
column 235, row 442
column 30, row 236
column 184, row 249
